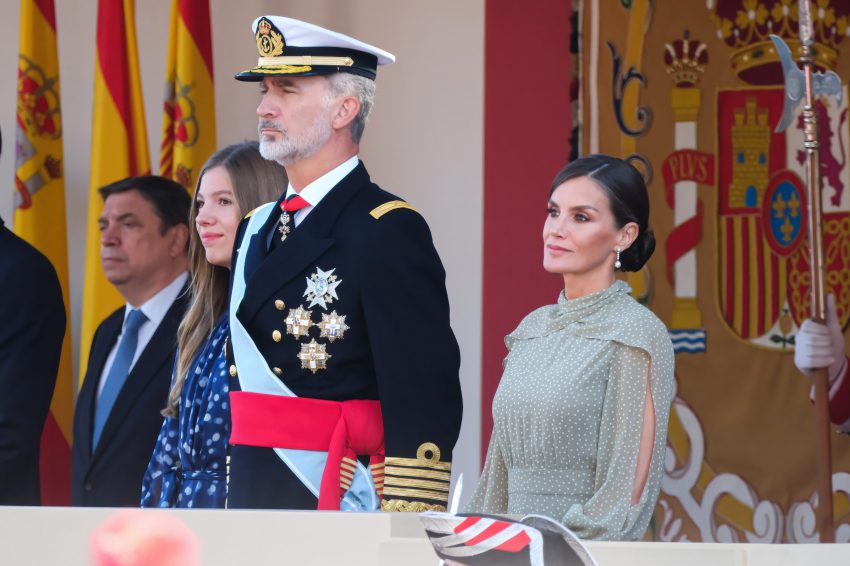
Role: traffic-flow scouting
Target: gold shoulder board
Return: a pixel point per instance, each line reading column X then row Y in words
column 379, row 211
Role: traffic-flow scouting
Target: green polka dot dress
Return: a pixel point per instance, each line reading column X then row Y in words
column 568, row 415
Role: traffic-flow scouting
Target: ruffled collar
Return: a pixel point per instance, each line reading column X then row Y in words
column 569, row 310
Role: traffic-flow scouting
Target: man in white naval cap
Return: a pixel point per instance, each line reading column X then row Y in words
column 345, row 369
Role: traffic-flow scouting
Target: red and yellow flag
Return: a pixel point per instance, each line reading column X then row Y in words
column 40, row 215
column 119, row 147
column 188, row 123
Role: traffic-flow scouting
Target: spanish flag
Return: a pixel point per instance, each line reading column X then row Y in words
column 40, row 216
column 119, row 147
column 188, row 123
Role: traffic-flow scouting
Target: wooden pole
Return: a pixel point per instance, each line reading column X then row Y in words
column 816, row 265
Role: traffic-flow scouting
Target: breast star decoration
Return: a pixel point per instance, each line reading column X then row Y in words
column 321, row 288
column 298, row 322
column 314, row 356
column 332, row 326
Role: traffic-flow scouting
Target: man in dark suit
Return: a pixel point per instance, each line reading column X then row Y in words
column 144, row 233
column 347, row 393
column 31, row 332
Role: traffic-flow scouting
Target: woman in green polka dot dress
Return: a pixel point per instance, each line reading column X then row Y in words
column 580, row 416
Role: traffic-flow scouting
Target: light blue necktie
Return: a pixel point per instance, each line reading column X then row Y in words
column 118, row 372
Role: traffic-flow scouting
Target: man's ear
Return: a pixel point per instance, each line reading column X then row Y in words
column 346, row 111
column 179, row 240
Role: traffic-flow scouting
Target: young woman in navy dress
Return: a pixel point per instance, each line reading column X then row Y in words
column 188, row 465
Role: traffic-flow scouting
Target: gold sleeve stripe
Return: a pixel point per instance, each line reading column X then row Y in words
column 345, row 474
column 414, row 473
column 379, row 211
column 406, row 482
column 416, row 493
column 402, row 506
column 415, row 463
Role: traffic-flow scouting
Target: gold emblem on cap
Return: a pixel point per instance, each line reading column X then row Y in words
column 314, row 356
column 269, row 41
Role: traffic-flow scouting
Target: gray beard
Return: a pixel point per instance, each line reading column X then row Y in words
column 290, row 149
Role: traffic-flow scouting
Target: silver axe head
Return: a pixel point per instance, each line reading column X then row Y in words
column 823, row 84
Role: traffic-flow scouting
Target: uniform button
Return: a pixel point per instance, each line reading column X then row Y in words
column 276, row 336
column 232, row 371
column 279, row 305
column 277, row 371
column 88, row 486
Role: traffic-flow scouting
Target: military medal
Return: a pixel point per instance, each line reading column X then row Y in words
column 314, row 356
column 332, row 326
column 298, row 322
column 321, row 288
column 284, row 227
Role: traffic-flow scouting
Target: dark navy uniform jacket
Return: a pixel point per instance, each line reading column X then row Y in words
column 32, row 326
column 377, row 254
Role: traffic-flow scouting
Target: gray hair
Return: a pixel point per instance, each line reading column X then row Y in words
column 363, row 89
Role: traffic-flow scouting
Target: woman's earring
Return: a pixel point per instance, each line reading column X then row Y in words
column 617, row 264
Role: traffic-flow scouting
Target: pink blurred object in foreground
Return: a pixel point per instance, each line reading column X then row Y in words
column 144, row 538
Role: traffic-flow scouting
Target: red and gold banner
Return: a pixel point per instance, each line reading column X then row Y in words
column 119, row 147
column 188, row 123
column 39, row 219
column 692, row 94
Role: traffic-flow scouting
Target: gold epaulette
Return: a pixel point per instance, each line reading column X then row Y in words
column 379, row 211
column 423, row 482
column 250, row 214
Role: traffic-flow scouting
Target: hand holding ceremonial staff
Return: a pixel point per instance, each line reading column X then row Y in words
column 797, row 84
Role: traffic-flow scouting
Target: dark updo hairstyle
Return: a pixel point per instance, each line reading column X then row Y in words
column 627, row 196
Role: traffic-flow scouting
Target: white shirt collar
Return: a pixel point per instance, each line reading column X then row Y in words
column 316, row 191
column 157, row 306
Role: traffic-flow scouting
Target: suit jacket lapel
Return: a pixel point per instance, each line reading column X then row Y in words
column 146, row 368
column 102, row 345
column 306, row 243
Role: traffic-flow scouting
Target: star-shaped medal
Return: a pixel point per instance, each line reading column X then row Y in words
column 298, row 322
column 314, row 356
column 321, row 288
column 332, row 326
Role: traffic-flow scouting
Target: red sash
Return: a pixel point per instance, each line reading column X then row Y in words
column 342, row 429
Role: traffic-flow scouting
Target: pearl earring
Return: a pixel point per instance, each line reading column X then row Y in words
column 617, row 263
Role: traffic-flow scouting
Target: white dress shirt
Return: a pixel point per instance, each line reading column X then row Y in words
column 316, row 191
column 155, row 310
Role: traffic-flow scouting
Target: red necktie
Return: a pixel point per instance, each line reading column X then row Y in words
column 293, row 203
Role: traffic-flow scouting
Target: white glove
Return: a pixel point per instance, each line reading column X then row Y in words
column 821, row 345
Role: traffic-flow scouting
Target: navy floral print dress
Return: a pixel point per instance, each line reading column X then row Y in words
column 188, row 465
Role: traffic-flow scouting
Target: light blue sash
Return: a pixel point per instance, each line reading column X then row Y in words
column 255, row 376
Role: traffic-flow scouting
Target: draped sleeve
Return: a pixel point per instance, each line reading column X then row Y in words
column 159, row 484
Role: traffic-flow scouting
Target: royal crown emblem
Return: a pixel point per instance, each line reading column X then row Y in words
column 685, row 60
column 270, row 41
column 746, row 26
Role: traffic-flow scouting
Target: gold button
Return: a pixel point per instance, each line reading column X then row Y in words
column 277, row 371
column 279, row 305
column 276, row 335
column 232, row 371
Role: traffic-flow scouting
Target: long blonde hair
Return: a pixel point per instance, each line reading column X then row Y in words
column 255, row 181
